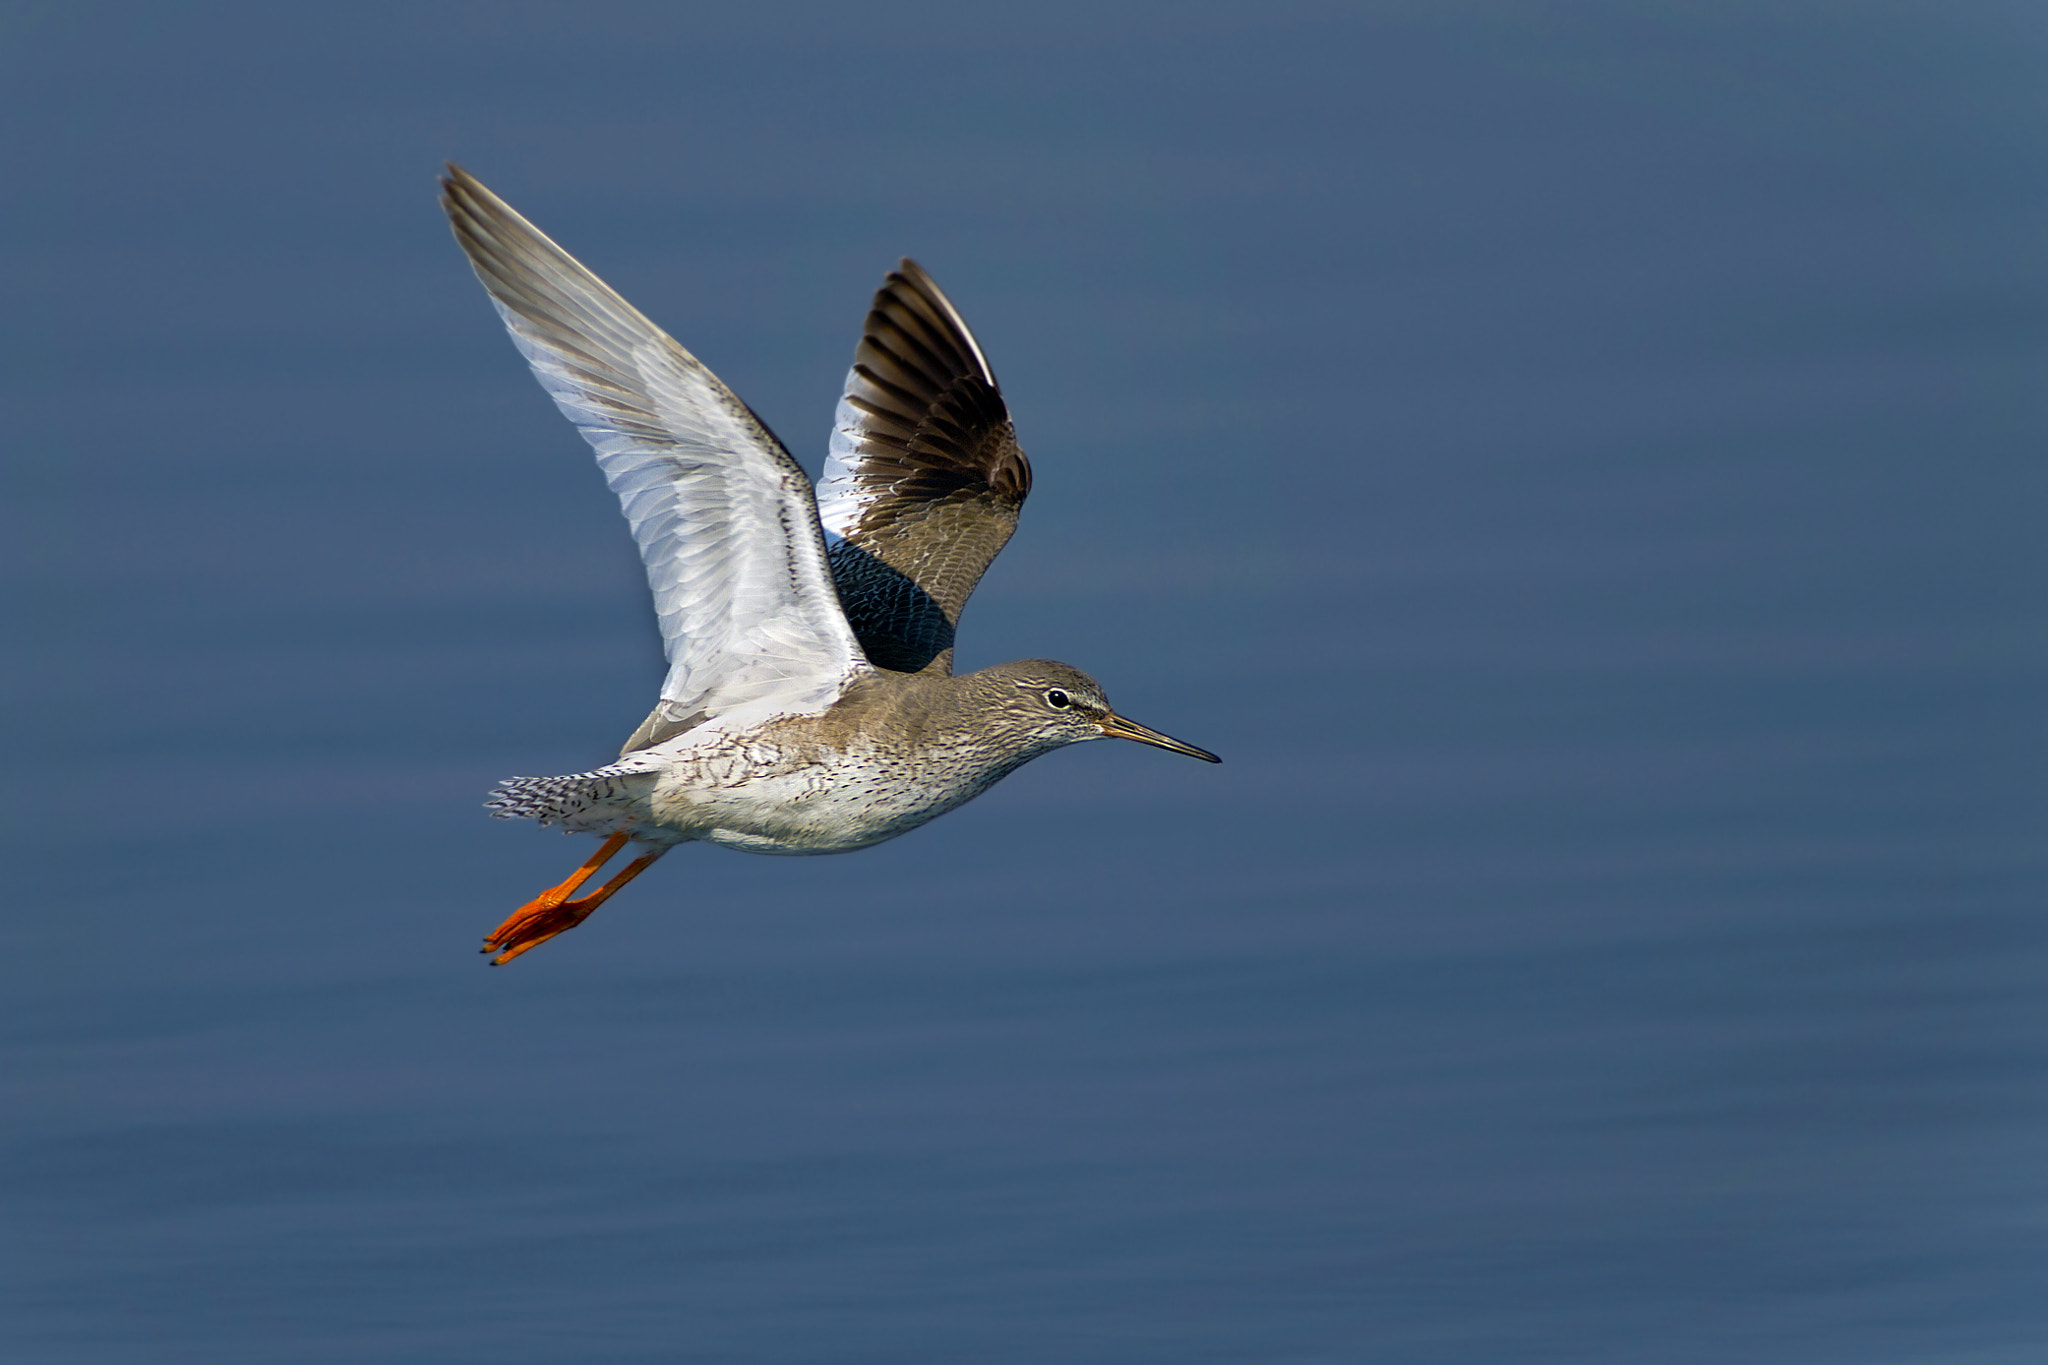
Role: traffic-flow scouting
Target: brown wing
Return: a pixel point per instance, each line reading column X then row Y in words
column 924, row 479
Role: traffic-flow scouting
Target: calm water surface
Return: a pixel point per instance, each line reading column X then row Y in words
column 1580, row 468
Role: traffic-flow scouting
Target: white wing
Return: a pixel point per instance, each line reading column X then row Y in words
column 726, row 521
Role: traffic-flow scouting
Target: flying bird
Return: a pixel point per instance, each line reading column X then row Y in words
column 810, row 704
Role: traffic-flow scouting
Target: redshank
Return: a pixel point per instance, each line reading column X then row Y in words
column 810, row 704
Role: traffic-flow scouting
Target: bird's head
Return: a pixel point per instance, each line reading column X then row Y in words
column 1048, row 704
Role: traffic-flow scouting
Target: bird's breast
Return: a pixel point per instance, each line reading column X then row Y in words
column 796, row 794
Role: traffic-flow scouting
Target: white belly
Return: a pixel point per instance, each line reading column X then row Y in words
column 737, row 795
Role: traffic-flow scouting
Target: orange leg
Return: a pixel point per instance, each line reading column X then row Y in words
column 555, row 895
column 552, row 912
column 552, row 897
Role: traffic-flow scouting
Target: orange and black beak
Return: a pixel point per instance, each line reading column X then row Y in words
column 1116, row 727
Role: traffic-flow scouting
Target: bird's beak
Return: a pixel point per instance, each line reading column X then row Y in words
column 1116, row 727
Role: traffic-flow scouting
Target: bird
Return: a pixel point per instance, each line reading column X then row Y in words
column 810, row 704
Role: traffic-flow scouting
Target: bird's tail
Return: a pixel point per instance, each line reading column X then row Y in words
column 574, row 801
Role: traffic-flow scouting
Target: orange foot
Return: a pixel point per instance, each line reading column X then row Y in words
column 552, row 912
column 535, row 924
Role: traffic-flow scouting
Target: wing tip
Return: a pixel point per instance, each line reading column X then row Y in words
column 457, row 183
column 468, row 204
column 919, row 281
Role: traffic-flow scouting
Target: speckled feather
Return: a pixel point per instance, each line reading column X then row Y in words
column 896, row 751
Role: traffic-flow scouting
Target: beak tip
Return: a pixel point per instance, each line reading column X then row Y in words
column 1118, row 727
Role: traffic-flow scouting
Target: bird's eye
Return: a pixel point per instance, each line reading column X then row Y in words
column 1057, row 699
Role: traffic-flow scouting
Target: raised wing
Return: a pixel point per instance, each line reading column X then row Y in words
column 726, row 521
column 924, row 479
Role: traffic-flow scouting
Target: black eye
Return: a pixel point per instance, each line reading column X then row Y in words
column 1056, row 699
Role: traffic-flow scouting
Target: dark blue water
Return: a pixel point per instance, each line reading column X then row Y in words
column 1580, row 465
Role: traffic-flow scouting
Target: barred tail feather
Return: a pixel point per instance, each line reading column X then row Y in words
column 572, row 799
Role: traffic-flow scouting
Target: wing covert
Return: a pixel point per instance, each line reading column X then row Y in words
column 725, row 520
column 924, row 477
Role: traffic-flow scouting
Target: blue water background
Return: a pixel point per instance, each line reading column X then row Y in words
column 1581, row 466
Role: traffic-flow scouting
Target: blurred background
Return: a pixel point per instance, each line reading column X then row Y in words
column 1579, row 464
